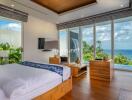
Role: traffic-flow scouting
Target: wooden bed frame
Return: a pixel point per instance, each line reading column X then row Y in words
column 57, row 92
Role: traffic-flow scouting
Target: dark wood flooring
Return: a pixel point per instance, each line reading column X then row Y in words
column 85, row 89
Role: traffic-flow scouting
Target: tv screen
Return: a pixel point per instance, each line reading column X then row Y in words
column 41, row 43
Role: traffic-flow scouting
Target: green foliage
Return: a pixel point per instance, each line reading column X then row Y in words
column 100, row 54
column 15, row 54
column 121, row 59
column 4, row 46
column 87, row 51
column 99, row 51
column 130, row 62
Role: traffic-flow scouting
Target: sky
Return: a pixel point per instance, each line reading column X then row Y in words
column 10, row 25
column 10, row 31
column 122, row 35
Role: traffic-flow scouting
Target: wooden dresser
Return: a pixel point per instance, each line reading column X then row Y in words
column 101, row 70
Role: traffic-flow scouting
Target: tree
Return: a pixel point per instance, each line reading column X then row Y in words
column 121, row 59
column 100, row 54
column 87, row 51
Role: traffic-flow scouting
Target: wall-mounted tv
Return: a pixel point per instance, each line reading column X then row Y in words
column 41, row 43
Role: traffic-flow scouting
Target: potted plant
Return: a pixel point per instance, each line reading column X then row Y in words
column 106, row 58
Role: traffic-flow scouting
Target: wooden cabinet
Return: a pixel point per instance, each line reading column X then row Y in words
column 101, row 70
column 58, row 60
column 54, row 60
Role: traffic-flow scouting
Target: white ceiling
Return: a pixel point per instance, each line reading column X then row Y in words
column 101, row 7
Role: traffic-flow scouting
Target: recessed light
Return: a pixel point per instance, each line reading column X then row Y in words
column 122, row 5
column 12, row 5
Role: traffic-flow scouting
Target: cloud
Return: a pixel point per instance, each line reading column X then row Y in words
column 106, row 36
column 88, row 39
column 123, row 35
column 12, row 27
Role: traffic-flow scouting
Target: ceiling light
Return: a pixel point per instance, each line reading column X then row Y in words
column 12, row 5
column 122, row 5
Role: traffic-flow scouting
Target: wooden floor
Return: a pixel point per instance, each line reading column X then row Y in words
column 85, row 89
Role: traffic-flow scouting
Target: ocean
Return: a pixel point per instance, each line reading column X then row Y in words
column 127, row 53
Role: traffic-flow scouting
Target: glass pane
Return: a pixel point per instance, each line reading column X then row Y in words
column 63, row 36
column 123, row 41
column 103, row 40
column 74, row 44
column 87, row 39
column 10, row 41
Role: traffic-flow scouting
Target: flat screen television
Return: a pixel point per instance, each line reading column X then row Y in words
column 41, row 43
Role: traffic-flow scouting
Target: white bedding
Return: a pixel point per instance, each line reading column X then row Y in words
column 18, row 82
column 2, row 95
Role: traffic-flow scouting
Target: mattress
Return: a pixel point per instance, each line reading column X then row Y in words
column 20, row 82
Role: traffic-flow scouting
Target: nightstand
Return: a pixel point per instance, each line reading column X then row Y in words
column 54, row 60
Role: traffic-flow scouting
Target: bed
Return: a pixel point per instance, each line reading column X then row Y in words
column 23, row 82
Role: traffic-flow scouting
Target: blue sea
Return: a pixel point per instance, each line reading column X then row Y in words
column 127, row 53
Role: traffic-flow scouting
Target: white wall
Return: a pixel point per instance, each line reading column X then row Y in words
column 38, row 25
column 34, row 29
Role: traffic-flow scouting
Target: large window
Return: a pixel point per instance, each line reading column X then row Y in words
column 63, row 36
column 10, row 41
column 103, row 40
column 87, row 43
column 123, row 41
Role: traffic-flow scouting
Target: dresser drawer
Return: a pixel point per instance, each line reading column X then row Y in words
column 102, row 70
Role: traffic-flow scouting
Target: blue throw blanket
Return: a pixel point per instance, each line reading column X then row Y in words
column 53, row 68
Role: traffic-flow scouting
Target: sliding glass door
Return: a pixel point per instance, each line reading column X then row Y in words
column 10, row 41
column 103, row 40
column 87, row 43
column 123, row 42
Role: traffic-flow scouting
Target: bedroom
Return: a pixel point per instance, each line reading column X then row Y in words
column 72, row 38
